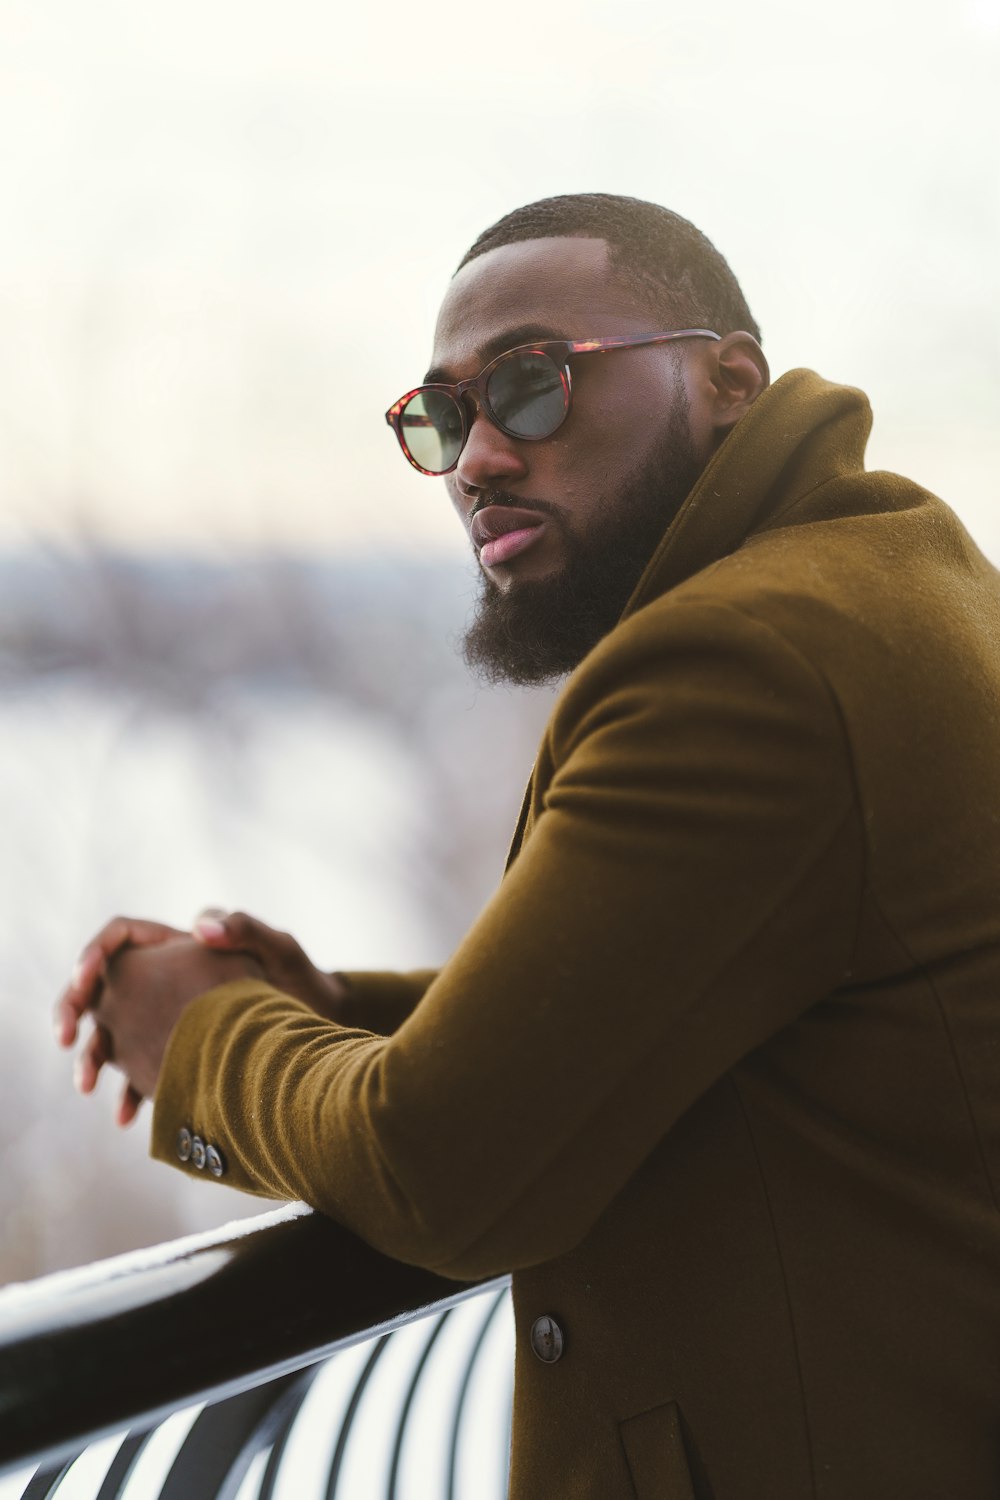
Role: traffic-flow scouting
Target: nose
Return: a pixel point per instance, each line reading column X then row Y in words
column 490, row 459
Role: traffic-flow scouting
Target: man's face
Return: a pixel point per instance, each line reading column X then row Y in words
column 590, row 502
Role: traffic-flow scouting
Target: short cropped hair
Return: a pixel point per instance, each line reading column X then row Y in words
column 672, row 267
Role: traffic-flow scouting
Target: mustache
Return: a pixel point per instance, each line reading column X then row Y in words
column 504, row 497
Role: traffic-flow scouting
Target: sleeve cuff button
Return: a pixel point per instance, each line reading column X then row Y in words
column 183, row 1145
column 198, row 1153
column 214, row 1161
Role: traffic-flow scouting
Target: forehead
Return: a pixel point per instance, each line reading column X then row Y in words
column 561, row 284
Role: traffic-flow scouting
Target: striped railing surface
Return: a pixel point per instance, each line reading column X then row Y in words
column 278, row 1358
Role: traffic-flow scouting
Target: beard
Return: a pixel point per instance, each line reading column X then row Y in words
column 537, row 631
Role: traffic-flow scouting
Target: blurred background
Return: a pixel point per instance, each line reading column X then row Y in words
column 228, row 609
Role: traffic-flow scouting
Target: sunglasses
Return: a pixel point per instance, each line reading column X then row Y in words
column 525, row 392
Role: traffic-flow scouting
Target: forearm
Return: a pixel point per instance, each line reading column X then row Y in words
column 689, row 887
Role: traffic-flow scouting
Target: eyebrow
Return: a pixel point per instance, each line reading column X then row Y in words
column 511, row 338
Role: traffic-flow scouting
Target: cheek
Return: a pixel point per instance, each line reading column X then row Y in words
column 575, row 474
column 611, row 420
column 596, row 448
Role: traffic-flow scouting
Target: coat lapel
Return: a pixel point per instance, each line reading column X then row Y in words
column 522, row 822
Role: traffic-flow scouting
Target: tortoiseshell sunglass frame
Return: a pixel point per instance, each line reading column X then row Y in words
column 559, row 351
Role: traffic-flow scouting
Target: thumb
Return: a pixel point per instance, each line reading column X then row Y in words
column 209, row 927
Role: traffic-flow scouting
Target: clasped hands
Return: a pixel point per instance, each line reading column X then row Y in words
column 136, row 978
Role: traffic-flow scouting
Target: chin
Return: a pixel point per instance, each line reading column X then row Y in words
column 511, row 576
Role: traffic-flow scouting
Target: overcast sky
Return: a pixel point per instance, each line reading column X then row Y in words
column 226, row 227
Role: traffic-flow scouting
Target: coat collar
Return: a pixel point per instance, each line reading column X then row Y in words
column 799, row 433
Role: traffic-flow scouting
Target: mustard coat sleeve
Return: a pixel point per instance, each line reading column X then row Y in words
column 381, row 1001
column 690, row 884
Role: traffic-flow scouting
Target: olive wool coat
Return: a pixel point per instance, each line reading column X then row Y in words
column 716, row 1073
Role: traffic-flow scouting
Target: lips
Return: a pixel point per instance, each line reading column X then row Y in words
column 494, row 521
column 500, row 532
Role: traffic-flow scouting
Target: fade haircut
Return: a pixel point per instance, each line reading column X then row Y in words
column 670, row 265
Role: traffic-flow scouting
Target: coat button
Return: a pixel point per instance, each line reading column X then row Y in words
column 215, row 1161
column 183, row 1144
column 547, row 1339
column 198, row 1152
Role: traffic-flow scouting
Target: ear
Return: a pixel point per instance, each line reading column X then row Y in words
column 740, row 374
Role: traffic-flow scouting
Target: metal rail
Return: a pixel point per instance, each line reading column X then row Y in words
column 239, row 1319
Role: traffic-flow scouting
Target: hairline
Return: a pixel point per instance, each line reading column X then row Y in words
column 642, row 284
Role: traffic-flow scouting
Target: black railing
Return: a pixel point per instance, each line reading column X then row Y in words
column 241, row 1320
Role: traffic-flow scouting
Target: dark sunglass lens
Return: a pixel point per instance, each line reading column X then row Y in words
column 431, row 425
column 527, row 395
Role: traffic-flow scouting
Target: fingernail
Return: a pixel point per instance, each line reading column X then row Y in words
column 78, row 1075
column 77, row 975
column 210, row 927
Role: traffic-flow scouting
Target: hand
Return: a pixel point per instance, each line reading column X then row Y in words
column 83, row 991
column 280, row 957
column 145, row 993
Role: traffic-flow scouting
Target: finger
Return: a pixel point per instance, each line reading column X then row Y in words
column 236, row 930
column 118, row 933
column 66, row 1019
column 71, row 1006
column 84, row 986
column 128, row 1106
column 96, row 1052
column 209, row 926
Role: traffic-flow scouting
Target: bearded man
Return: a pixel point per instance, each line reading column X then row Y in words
column 716, row 1074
